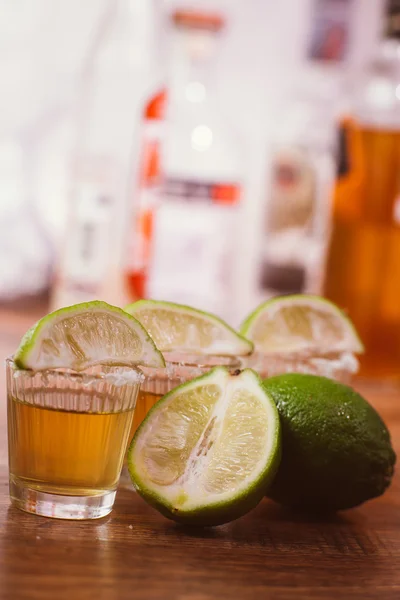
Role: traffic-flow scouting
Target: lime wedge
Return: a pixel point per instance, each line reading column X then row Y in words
column 208, row 449
column 82, row 335
column 301, row 322
column 175, row 327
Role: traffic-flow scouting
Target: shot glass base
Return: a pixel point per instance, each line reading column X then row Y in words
column 58, row 506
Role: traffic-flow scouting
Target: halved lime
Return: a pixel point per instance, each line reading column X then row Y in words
column 175, row 327
column 301, row 322
column 82, row 335
column 207, row 451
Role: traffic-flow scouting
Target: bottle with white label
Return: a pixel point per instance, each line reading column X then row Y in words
column 194, row 241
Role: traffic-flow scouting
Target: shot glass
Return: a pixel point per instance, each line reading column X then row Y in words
column 67, row 437
column 340, row 366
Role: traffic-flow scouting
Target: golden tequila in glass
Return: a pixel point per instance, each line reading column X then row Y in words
column 146, row 400
column 67, row 435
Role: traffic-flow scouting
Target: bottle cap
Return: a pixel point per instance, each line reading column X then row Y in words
column 193, row 19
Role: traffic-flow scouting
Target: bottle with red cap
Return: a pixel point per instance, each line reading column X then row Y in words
column 185, row 240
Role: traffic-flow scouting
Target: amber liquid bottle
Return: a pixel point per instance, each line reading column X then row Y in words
column 363, row 262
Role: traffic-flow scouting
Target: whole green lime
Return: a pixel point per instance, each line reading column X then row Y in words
column 336, row 450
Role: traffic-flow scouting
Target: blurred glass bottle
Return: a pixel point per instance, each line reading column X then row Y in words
column 363, row 262
column 302, row 175
column 184, row 235
column 114, row 76
column 25, row 250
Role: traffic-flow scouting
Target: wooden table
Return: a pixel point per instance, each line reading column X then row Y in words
column 136, row 553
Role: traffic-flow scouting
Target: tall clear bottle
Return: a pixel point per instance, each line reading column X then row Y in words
column 114, row 76
column 363, row 263
column 192, row 245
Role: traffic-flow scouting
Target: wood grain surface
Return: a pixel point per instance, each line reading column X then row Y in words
column 136, row 553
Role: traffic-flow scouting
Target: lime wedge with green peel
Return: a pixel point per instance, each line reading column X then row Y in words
column 207, row 451
column 301, row 322
column 175, row 327
column 82, row 335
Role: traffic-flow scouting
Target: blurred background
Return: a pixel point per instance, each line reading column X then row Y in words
column 209, row 152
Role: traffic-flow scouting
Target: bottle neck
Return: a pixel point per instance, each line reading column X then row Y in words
column 387, row 60
column 192, row 64
column 386, row 63
column 378, row 100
